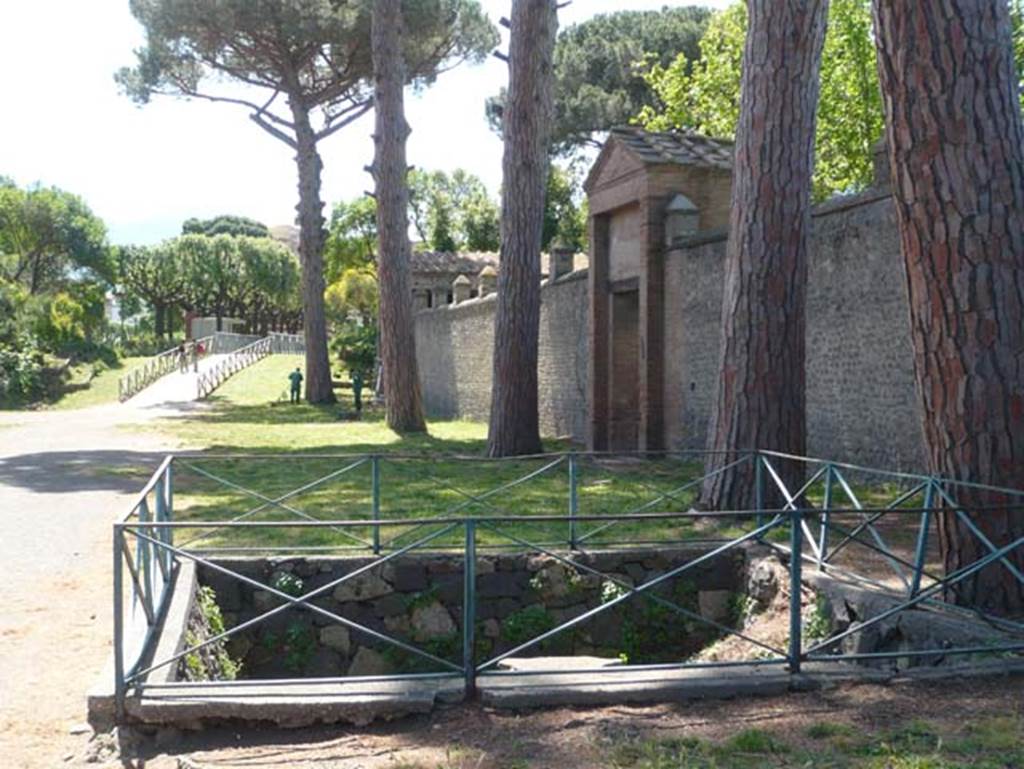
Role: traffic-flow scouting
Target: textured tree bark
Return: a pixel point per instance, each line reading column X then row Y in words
column 956, row 148
column 311, row 254
column 526, row 129
column 760, row 399
column 402, row 398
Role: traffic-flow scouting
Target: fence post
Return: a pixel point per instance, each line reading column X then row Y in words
column 375, row 482
column 826, row 519
column 573, row 501
column 795, row 578
column 469, row 609
column 922, row 538
column 118, row 624
column 759, row 488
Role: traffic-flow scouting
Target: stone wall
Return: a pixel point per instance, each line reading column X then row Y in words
column 861, row 400
column 419, row 600
column 455, row 344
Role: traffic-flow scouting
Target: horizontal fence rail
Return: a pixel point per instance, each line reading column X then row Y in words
column 869, row 528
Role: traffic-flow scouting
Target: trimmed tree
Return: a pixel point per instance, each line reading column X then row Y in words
column 527, row 124
column 306, row 68
column 956, row 147
column 760, row 398
column 402, row 398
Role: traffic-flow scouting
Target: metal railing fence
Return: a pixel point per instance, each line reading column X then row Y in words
column 241, row 358
column 830, row 516
column 141, row 377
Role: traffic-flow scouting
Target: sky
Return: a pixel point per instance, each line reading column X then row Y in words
column 144, row 170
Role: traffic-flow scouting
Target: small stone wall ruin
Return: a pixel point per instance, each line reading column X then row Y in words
column 419, row 600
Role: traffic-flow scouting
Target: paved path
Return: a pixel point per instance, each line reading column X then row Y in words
column 64, row 477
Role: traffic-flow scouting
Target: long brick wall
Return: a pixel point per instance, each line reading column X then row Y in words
column 861, row 402
column 455, row 345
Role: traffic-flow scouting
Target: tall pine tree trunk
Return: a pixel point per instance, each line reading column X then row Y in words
column 956, row 147
column 526, row 129
column 760, row 399
column 402, row 398
column 311, row 255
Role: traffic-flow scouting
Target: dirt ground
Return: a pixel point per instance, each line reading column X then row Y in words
column 470, row 736
column 64, row 477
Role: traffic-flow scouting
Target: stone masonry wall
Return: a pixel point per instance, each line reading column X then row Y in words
column 861, row 401
column 419, row 600
column 455, row 344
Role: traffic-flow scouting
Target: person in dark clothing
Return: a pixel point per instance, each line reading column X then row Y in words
column 296, row 379
column 357, row 391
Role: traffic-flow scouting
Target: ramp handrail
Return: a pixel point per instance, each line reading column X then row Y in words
column 141, row 377
column 241, row 358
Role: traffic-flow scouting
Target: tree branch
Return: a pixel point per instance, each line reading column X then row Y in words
column 330, row 129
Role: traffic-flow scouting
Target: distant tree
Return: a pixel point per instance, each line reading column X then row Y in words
column 956, row 148
column 706, row 96
column 564, row 217
column 353, row 296
column 760, row 398
column 46, row 234
column 597, row 82
column 225, row 224
column 402, row 398
column 268, row 296
column 313, row 55
column 481, row 224
column 154, row 274
column 351, row 237
column 526, row 131
column 439, row 204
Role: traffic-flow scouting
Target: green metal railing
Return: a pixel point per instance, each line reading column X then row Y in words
column 824, row 523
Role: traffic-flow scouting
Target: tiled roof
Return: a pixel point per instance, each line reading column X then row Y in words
column 441, row 261
column 682, row 147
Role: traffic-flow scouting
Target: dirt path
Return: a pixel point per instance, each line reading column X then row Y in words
column 64, row 477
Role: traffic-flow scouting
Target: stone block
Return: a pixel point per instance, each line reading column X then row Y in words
column 432, row 621
column 325, row 663
column 500, row 584
column 389, row 606
column 406, row 577
column 367, row 662
column 449, row 588
column 715, row 605
column 336, row 637
column 365, row 587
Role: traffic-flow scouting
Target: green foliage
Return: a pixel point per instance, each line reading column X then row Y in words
column 225, row 224
column 351, row 237
column 225, row 667
column 298, row 645
column 705, row 96
column 47, row 237
column 452, row 212
column 21, row 375
column 597, row 85
column 353, row 297
column 287, row 582
column 529, row 622
column 565, row 217
column 315, row 51
column 818, row 626
column 355, row 345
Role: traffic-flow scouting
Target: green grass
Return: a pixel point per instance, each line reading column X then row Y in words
column 419, row 475
column 83, row 391
column 988, row 743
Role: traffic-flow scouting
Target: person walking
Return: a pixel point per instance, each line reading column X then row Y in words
column 296, row 381
column 182, row 359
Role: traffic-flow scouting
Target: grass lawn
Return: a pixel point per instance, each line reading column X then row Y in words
column 83, row 392
column 419, row 476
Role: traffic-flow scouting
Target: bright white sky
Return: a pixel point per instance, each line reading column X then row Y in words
column 145, row 170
